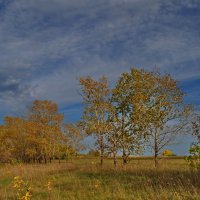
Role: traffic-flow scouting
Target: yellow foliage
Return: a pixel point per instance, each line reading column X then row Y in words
column 22, row 189
column 168, row 153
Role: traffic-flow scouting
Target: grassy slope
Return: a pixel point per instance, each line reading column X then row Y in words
column 83, row 179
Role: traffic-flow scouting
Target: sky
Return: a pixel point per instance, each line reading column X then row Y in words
column 47, row 45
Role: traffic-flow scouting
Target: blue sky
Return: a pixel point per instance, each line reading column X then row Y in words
column 46, row 45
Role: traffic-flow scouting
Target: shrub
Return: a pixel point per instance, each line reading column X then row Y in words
column 93, row 152
column 194, row 158
column 168, row 153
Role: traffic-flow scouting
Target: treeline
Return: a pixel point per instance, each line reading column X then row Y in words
column 39, row 137
column 143, row 110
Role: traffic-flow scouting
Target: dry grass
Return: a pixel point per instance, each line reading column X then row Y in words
column 83, row 179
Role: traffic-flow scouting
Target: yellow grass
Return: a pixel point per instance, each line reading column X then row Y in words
column 83, row 179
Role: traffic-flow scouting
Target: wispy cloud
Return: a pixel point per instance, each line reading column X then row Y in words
column 46, row 45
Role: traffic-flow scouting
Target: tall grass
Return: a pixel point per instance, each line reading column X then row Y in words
column 84, row 179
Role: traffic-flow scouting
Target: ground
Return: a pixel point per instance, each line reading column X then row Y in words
column 83, row 179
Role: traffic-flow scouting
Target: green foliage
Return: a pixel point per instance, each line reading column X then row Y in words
column 194, row 158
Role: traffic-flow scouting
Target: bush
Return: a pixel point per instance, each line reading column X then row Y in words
column 168, row 153
column 194, row 158
column 93, row 153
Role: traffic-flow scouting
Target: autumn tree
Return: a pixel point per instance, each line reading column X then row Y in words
column 75, row 136
column 114, row 136
column 49, row 127
column 130, row 109
column 6, row 144
column 18, row 140
column 162, row 108
column 149, row 106
column 96, row 108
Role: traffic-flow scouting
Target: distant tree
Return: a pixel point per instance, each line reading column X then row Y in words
column 96, row 108
column 168, row 152
column 75, row 136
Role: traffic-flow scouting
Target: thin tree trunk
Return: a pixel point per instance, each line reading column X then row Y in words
column 124, row 157
column 156, row 148
column 101, row 150
column 115, row 158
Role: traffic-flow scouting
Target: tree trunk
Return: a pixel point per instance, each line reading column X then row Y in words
column 115, row 158
column 101, row 150
column 156, row 148
column 124, row 157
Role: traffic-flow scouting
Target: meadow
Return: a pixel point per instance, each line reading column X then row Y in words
column 83, row 179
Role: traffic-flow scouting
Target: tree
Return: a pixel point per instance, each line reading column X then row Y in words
column 6, row 145
column 114, row 136
column 149, row 107
column 194, row 158
column 165, row 111
column 18, row 140
column 129, row 102
column 49, row 127
column 35, row 138
column 75, row 136
column 96, row 108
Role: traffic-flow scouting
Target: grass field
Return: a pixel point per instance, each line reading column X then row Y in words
column 83, row 179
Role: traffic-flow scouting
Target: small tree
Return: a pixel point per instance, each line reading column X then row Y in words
column 96, row 108
column 75, row 136
column 194, row 157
